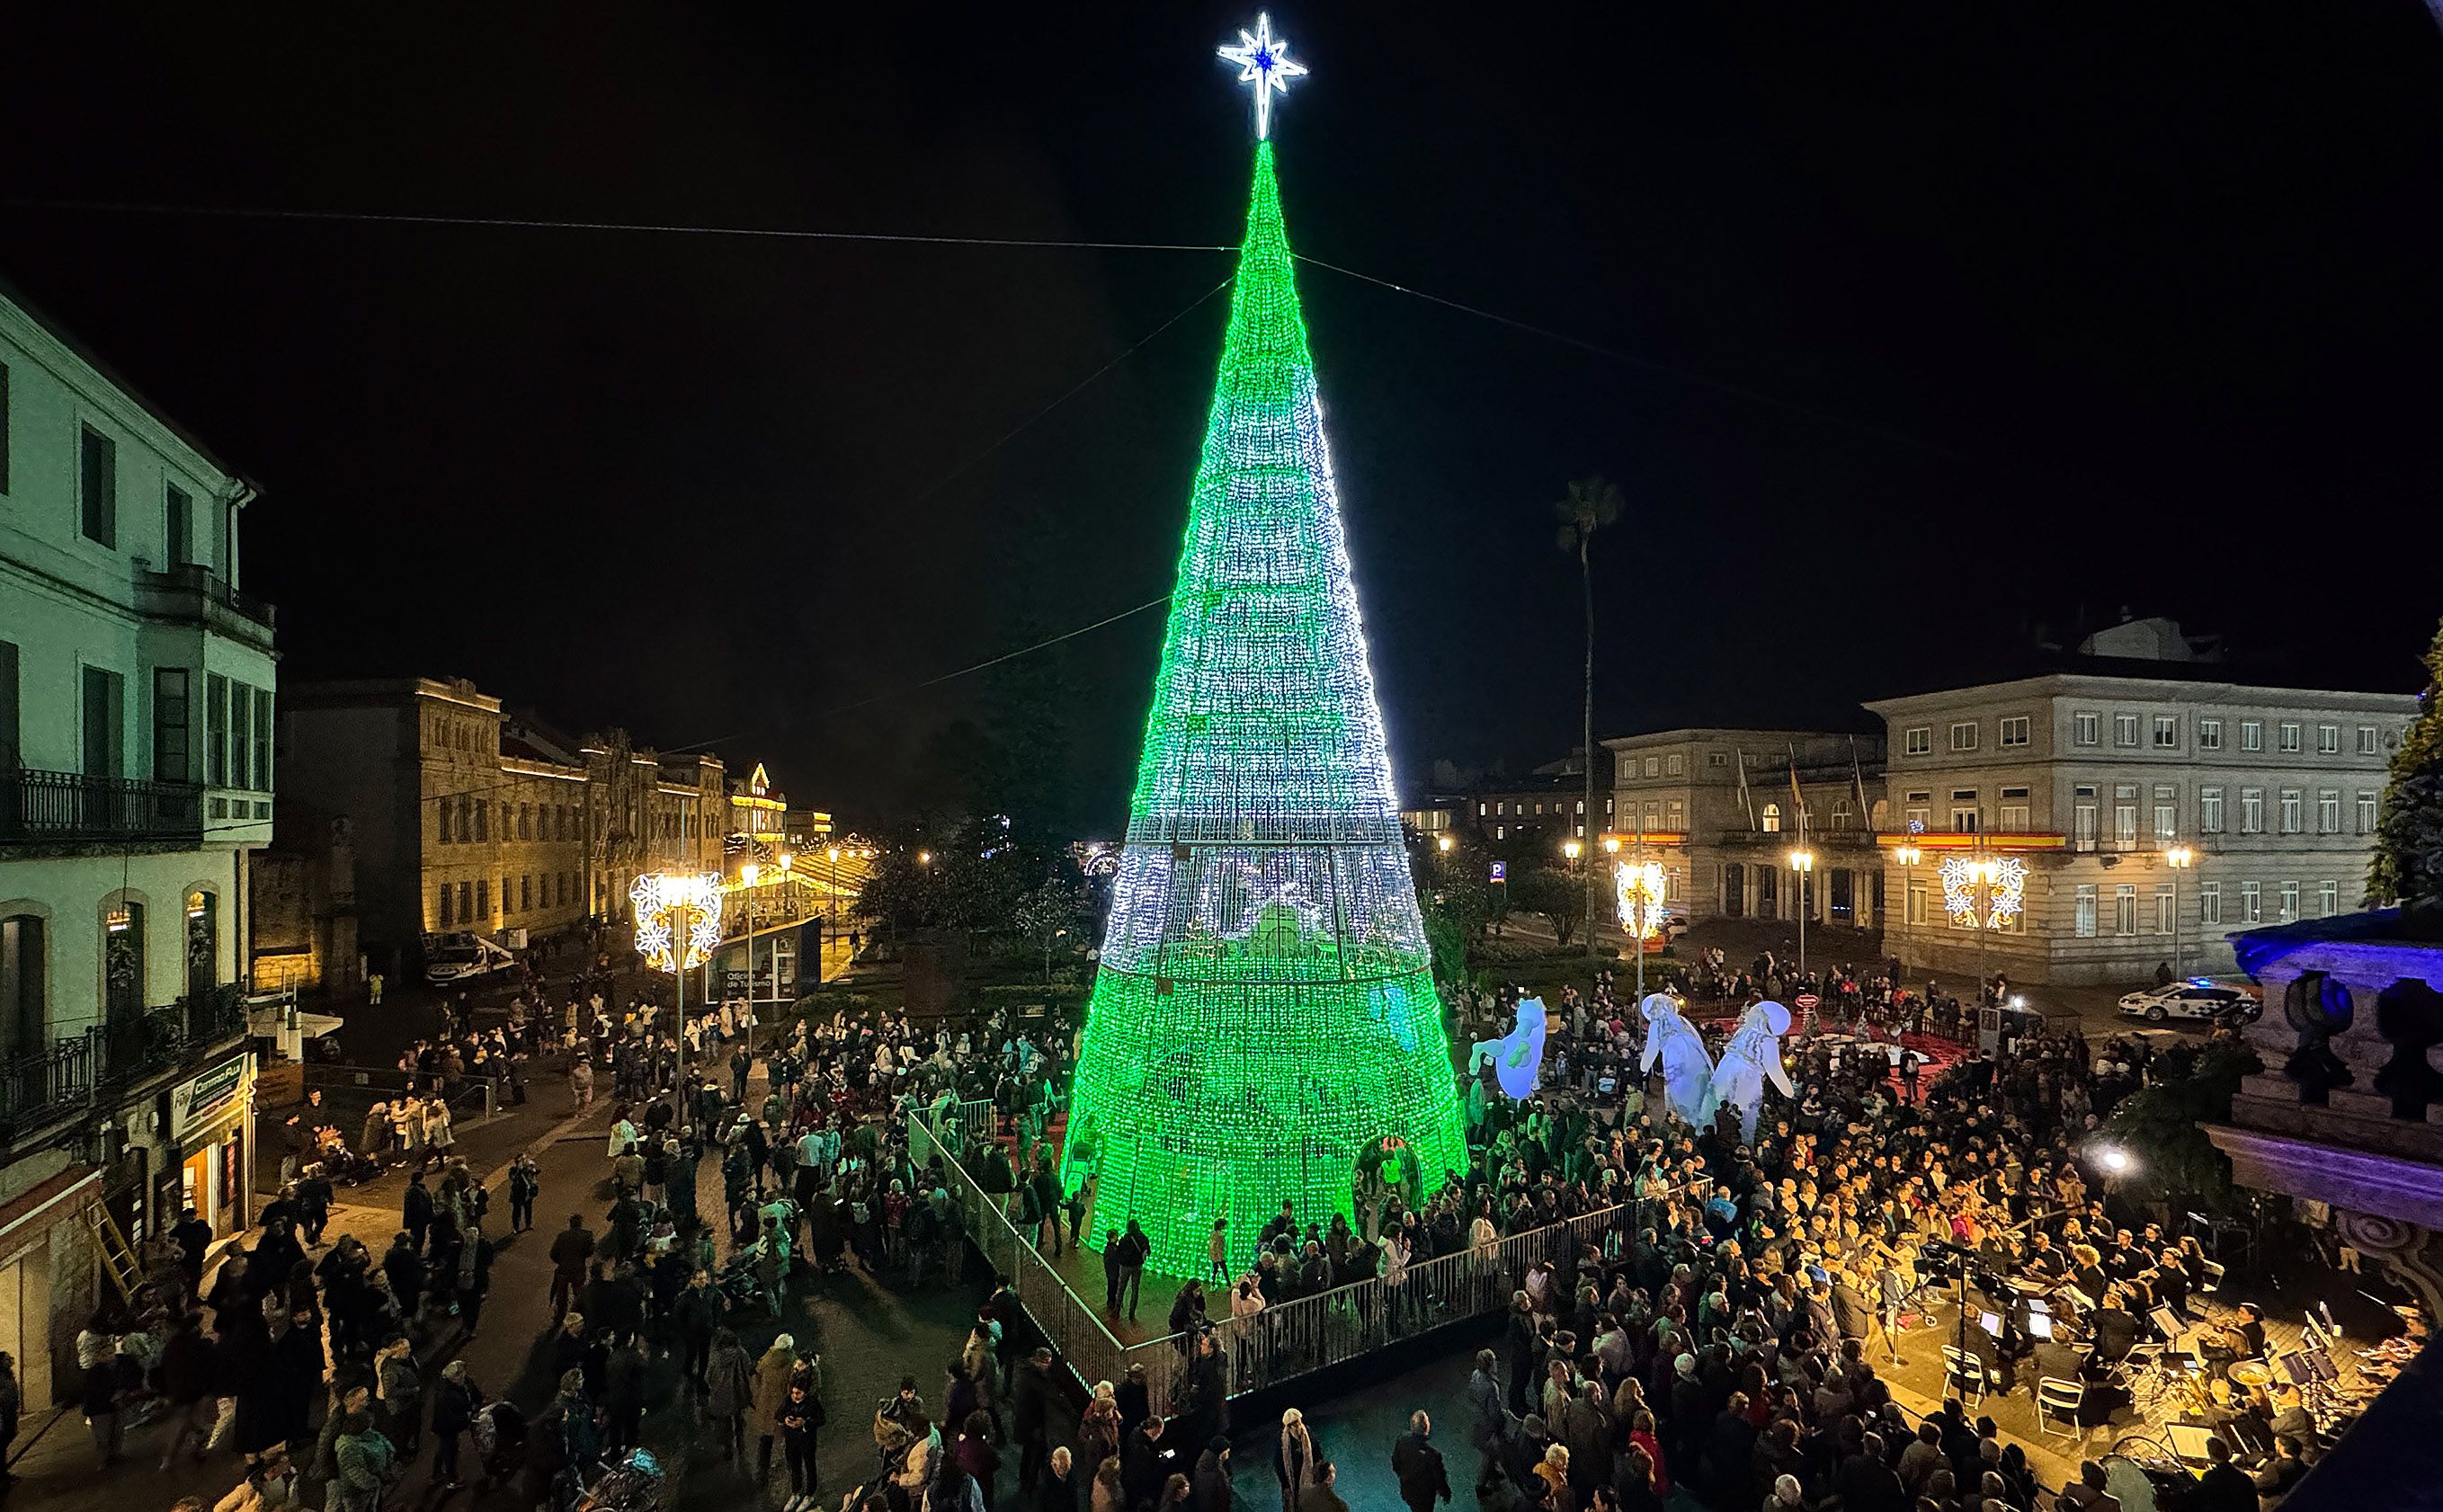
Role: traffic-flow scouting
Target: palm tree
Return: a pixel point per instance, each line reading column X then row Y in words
column 1591, row 504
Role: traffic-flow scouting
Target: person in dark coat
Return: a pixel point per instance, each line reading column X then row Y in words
column 1865, row 1484
column 187, row 1371
column 1418, row 1466
column 455, row 1401
column 404, row 1266
column 415, row 1210
column 1143, row 1464
column 1058, row 1491
column 1210, row 1488
column 1730, row 1454
column 1030, row 1397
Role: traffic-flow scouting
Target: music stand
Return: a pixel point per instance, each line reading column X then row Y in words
column 2166, row 1322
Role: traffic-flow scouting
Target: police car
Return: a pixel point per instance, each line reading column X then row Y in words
column 2195, row 998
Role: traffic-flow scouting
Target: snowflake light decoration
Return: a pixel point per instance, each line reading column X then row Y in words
column 2006, row 880
column 656, row 896
column 1638, row 889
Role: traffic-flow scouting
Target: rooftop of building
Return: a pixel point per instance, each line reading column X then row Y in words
column 1764, row 738
column 359, row 692
column 2137, row 651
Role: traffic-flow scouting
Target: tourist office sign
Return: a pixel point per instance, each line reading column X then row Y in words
column 207, row 1097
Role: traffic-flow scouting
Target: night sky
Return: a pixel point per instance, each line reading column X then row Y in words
column 1923, row 331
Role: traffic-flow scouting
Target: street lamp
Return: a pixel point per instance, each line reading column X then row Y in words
column 1442, row 843
column 1908, row 856
column 1640, row 887
column 923, row 858
column 1570, row 849
column 678, row 924
column 1611, row 844
column 2180, row 858
column 1803, row 863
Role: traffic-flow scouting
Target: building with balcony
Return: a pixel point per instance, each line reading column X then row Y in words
column 136, row 785
column 1714, row 807
column 2139, row 807
column 444, row 812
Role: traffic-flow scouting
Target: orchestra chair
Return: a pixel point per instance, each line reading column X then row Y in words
column 2213, row 1279
column 1965, row 1374
column 2053, row 1394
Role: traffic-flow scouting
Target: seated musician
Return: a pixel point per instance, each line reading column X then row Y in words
column 2242, row 1339
column 2044, row 1264
column 2171, row 1282
column 2117, row 1330
column 2086, row 1271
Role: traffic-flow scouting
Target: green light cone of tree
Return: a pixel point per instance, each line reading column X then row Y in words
column 1263, row 1024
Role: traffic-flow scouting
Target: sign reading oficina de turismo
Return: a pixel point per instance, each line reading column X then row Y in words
column 207, row 1097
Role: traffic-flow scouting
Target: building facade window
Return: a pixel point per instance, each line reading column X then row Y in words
column 2290, row 735
column 2124, row 731
column 103, row 709
column 2167, row 814
column 2014, row 731
column 2208, row 734
column 2209, row 810
column 2366, row 740
column 2366, row 812
column 1919, row 741
column 2290, row 910
column 2166, row 911
column 2085, row 927
column 172, row 725
column 2328, row 898
column 2289, row 811
column 25, row 986
column 445, row 914
column 1773, row 818
column 2083, row 727
column 122, row 958
column 1675, row 765
column 1654, row 766
column 178, row 525
column 2251, row 904
column 2167, row 731
column 97, row 487
column 2124, row 817
column 263, row 740
column 2252, row 810
column 2328, row 810
column 2209, row 902
column 2329, row 740
column 2124, row 908
column 2251, row 735
column 2083, row 826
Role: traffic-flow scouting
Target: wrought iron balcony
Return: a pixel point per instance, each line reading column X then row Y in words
column 37, row 806
column 60, row 1081
column 46, row 1085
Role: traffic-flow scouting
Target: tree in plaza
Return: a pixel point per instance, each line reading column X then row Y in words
column 980, row 873
column 1554, row 894
column 1593, row 503
column 1047, row 912
column 2408, row 864
column 2163, row 1126
column 900, row 893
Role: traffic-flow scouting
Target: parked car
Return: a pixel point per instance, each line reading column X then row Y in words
column 2195, row 998
column 459, row 958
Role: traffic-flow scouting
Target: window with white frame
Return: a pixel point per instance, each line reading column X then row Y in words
column 2329, row 740
column 2328, row 898
column 2124, row 908
column 1918, row 818
column 2208, row 811
column 2124, row 731
column 1773, row 818
column 2289, row 911
column 2166, row 910
column 1675, row 765
column 1654, row 766
column 2010, row 811
column 2366, row 740
column 2085, row 927
column 2167, row 731
column 2083, row 821
column 1717, row 759
column 2209, row 902
column 1918, row 893
column 2252, row 810
column 1964, row 735
column 2251, row 904
column 2291, row 807
column 2124, row 817
column 2251, row 735
column 2167, row 812
column 2290, row 735
column 1918, row 741
column 2083, row 727
column 2328, row 810
column 2208, row 734
column 2014, row 731
column 1674, row 815
column 2366, row 812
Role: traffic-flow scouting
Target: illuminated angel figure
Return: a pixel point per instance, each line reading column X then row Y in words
column 1751, row 1058
column 1517, row 1057
column 1673, row 1043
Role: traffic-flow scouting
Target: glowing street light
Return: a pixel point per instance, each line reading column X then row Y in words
column 1443, row 843
column 1802, row 861
column 1908, row 856
column 923, row 858
column 678, row 924
column 1571, row 849
column 2114, row 1159
column 2180, row 858
column 1611, row 844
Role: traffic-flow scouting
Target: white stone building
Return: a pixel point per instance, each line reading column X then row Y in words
column 2094, row 780
column 135, row 776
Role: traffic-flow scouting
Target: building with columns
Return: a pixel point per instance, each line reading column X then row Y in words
column 1714, row 807
column 2138, row 809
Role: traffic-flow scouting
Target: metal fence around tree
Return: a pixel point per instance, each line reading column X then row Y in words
column 1286, row 1339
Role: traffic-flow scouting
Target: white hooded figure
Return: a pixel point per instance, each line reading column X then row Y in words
column 1687, row 1071
column 1751, row 1058
column 1517, row 1057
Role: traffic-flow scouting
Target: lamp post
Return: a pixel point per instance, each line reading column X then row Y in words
column 1983, row 872
column 1908, row 856
column 1803, row 863
column 2180, row 858
column 672, row 909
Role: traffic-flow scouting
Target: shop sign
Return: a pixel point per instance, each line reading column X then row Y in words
column 208, row 1097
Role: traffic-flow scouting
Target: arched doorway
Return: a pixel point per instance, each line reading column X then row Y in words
column 122, row 958
column 202, row 942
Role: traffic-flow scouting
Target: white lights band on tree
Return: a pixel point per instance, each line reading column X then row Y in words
column 1638, row 889
column 656, row 897
column 2005, row 878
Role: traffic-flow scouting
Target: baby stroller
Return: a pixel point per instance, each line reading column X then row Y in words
column 500, row 1440
column 633, row 1483
column 740, row 1291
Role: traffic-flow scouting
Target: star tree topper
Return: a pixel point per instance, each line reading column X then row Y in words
column 1263, row 60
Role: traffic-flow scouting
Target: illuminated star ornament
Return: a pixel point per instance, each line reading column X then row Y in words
column 1263, row 60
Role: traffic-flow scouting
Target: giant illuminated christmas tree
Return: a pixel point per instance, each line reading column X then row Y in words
column 1263, row 1025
